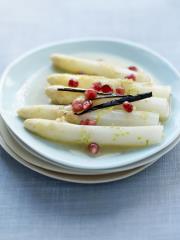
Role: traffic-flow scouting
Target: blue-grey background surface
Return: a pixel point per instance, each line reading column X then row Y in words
column 145, row 206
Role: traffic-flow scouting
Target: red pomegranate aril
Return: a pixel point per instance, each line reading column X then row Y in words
column 128, row 107
column 84, row 122
column 97, row 86
column 106, row 89
column 93, row 148
column 133, row 68
column 120, row 91
column 77, row 106
column 131, row 76
column 73, row 83
column 92, row 122
column 88, row 122
column 90, row 94
column 87, row 104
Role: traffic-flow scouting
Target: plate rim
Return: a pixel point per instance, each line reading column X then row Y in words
column 111, row 40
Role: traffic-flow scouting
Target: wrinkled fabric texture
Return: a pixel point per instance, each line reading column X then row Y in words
column 145, row 206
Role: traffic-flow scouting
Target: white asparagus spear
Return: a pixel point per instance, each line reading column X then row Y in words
column 93, row 67
column 131, row 87
column 104, row 117
column 108, row 117
column 64, row 97
column 134, row 88
column 61, row 97
column 157, row 90
column 153, row 104
column 43, row 111
column 103, row 135
column 87, row 81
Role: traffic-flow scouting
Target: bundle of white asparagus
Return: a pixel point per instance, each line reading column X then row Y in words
column 114, row 126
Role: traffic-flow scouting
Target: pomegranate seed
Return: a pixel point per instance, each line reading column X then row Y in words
column 73, row 83
column 128, row 107
column 120, row 91
column 90, row 94
column 84, row 122
column 92, row 122
column 106, row 89
column 77, row 106
column 93, row 148
column 133, row 68
column 97, row 86
column 87, row 104
column 88, row 122
column 131, row 76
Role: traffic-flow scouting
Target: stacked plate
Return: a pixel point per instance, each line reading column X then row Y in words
column 23, row 84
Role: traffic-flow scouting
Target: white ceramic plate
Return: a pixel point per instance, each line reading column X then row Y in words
column 19, row 87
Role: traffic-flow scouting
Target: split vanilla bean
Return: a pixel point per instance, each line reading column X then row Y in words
column 119, row 101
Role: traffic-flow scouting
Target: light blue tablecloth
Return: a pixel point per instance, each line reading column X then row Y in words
column 145, row 206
